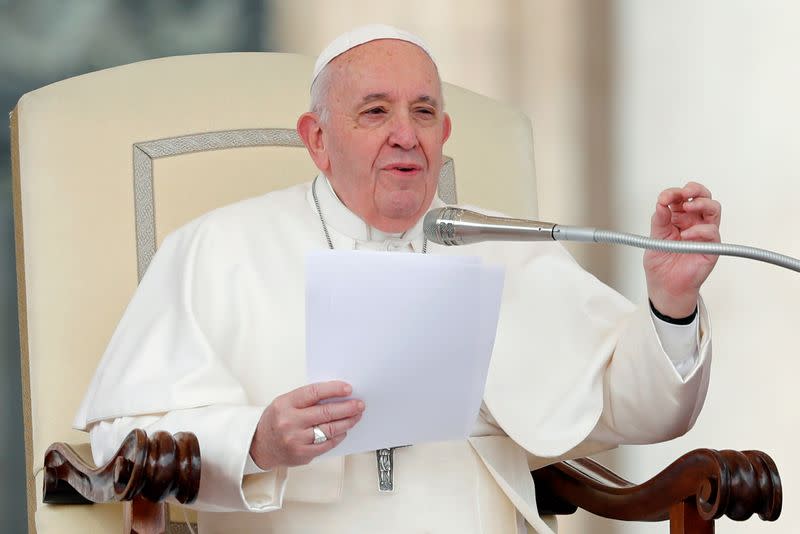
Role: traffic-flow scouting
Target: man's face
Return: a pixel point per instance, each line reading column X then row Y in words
column 384, row 133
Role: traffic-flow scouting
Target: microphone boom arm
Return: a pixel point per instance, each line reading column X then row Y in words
column 456, row 226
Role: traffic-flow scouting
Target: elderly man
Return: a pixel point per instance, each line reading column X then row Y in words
column 575, row 368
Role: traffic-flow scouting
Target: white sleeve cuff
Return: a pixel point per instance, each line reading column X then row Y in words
column 264, row 491
column 251, row 468
column 680, row 342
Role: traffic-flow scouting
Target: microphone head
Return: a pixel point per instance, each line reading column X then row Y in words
column 429, row 224
column 456, row 226
column 438, row 225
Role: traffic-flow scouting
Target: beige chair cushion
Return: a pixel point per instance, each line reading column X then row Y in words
column 82, row 150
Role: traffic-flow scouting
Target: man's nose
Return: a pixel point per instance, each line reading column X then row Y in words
column 403, row 133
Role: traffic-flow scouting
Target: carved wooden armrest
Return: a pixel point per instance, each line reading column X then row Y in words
column 144, row 471
column 699, row 487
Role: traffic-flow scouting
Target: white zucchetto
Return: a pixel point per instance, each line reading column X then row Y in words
column 361, row 35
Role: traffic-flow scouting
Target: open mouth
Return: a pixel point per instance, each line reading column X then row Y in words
column 404, row 168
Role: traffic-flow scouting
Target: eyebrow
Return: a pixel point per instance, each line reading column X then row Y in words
column 385, row 96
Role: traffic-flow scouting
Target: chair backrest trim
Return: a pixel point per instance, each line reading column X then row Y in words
column 146, row 151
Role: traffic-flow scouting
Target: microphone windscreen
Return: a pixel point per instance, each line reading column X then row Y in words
column 430, row 225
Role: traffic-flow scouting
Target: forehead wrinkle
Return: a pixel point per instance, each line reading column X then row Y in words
column 375, row 96
column 385, row 96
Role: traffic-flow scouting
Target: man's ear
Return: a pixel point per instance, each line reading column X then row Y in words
column 447, row 127
column 310, row 129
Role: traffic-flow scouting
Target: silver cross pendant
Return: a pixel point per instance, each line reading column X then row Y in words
column 385, row 458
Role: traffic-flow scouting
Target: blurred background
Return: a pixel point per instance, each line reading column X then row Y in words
column 626, row 98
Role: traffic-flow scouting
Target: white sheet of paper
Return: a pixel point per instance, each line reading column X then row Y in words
column 412, row 333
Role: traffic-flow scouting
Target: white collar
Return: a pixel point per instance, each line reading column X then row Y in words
column 346, row 223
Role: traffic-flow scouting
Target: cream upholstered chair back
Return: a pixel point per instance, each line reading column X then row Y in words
column 106, row 164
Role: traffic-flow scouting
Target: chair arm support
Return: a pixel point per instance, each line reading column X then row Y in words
column 154, row 468
column 733, row 483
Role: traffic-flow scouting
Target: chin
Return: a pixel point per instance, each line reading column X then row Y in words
column 402, row 205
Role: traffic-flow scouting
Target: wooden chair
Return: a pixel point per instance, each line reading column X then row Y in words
column 102, row 165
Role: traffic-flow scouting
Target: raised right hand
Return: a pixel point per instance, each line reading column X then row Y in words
column 285, row 436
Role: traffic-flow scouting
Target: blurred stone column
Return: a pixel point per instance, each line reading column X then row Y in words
column 563, row 81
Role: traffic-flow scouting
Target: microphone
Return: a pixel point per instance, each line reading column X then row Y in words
column 456, row 226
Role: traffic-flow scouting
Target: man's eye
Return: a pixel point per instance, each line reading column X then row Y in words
column 425, row 111
column 375, row 111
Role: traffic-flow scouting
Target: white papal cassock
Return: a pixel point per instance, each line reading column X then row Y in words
column 216, row 331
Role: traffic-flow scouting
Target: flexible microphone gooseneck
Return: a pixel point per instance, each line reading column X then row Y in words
column 456, row 226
